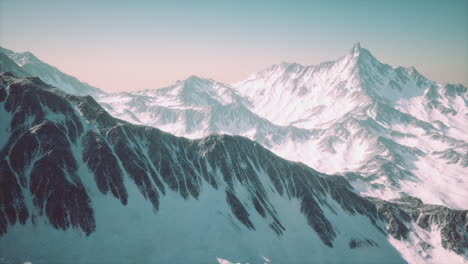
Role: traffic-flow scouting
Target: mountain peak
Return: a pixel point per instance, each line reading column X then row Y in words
column 360, row 55
column 356, row 49
column 195, row 78
column 412, row 71
column 30, row 56
column 196, row 81
column 25, row 58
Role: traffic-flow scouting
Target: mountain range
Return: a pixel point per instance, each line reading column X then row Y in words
column 102, row 189
column 389, row 130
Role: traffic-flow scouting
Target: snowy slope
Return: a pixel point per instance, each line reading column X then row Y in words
column 391, row 126
column 388, row 129
column 7, row 65
column 103, row 190
column 196, row 108
column 312, row 96
column 49, row 74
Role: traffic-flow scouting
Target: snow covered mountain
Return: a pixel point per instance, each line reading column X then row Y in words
column 49, row 74
column 196, row 108
column 100, row 189
column 388, row 129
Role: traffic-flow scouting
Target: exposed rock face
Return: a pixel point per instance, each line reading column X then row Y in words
column 453, row 224
column 38, row 156
column 362, row 243
column 53, row 142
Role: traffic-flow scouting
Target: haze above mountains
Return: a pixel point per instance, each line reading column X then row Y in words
column 389, row 131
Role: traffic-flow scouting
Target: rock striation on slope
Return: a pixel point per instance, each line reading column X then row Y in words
column 59, row 153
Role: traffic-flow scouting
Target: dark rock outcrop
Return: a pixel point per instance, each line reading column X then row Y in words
column 52, row 134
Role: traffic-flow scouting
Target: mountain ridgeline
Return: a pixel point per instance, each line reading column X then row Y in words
column 62, row 155
column 100, row 189
column 389, row 130
column 30, row 65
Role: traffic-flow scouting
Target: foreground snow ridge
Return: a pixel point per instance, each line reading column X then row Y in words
column 104, row 190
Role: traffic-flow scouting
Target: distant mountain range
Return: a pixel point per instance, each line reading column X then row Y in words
column 94, row 184
column 389, row 130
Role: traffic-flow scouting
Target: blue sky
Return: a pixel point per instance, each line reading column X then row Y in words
column 132, row 45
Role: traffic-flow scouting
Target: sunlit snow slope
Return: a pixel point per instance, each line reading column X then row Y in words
column 32, row 66
column 79, row 186
column 388, row 129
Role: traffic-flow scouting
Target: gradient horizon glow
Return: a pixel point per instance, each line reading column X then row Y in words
column 135, row 45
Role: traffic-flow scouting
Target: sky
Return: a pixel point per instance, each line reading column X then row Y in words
column 135, row 45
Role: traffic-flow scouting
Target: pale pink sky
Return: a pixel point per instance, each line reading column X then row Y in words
column 134, row 45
